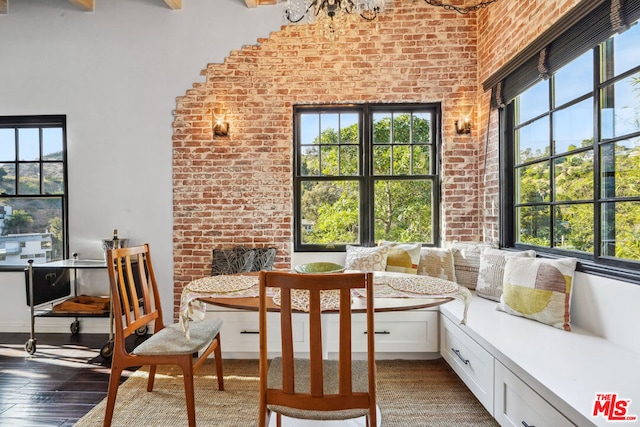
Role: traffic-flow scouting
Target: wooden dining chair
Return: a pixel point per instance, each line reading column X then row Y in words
column 315, row 388
column 135, row 303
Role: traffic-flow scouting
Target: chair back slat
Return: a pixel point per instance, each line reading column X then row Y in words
column 344, row 354
column 134, row 289
column 286, row 325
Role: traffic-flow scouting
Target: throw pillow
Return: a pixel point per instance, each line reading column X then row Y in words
column 466, row 257
column 491, row 271
column 403, row 257
column 437, row 262
column 366, row 259
column 539, row 289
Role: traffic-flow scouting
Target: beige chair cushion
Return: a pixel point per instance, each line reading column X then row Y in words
column 330, row 373
column 172, row 340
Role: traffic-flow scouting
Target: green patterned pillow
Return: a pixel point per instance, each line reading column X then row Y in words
column 539, row 289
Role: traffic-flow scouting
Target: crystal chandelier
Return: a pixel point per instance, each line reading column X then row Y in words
column 331, row 11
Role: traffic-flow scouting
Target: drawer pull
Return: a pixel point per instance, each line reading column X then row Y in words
column 465, row 361
column 250, row 332
column 379, row 332
column 524, row 423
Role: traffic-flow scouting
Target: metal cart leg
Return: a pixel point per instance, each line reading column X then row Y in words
column 107, row 350
column 30, row 345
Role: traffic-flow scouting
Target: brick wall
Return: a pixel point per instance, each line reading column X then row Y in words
column 237, row 190
column 504, row 29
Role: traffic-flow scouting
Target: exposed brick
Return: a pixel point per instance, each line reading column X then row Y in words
column 237, row 190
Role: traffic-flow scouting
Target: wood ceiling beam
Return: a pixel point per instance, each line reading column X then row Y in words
column 88, row 5
column 256, row 3
column 4, row 6
column 174, row 4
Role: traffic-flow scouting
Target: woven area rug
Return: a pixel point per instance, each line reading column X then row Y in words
column 410, row 393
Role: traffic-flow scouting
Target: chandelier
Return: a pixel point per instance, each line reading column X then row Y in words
column 330, row 11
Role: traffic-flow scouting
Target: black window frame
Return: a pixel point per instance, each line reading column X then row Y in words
column 521, row 79
column 366, row 177
column 40, row 122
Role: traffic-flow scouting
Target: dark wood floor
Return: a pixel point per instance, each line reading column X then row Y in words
column 55, row 386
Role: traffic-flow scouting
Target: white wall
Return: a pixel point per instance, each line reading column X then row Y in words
column 115, row 73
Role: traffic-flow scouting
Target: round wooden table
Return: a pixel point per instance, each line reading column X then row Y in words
column 358, row 305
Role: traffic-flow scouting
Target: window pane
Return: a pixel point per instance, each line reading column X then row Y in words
column 310, row 161
column 7, row 144
column 349, row 129
column 422, row 159
column 52, row 143
column 381, row 128
column 309, row 129
column 329, row 160
column 532, row 183
column 29, row 178
column 533, row 224
column 620, row 168
column 7, row 178
column 533, row 102
column 574, row 227
column 329, row 125
column 621, row 228
column 402, row 160
column 349, row 160
column 402, row 128
column 382, row 160
column 574, row 79
column 422, row 128
column 33, row 230
column 532, row 140
column 621, row 107
column 403, row 210
column 573, row 127
column 53, row 179
column 574, row 177
column 330, row 212
column 626, row 50
column 29, row 144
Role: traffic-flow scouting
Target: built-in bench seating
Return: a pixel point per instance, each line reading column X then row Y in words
column 565, row 369
column 526, row 371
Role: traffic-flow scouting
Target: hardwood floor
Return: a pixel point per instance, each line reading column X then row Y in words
column 55, row 386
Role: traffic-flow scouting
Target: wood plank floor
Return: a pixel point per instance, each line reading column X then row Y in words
column 55, row 386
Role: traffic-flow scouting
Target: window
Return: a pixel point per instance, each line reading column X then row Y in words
column 33, row 189
column 572, row 158
column 365, row 173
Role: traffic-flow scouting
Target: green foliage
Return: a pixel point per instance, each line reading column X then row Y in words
column 402, row 208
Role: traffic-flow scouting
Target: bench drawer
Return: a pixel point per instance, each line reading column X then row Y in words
column 407, row 332
column 472, row 363
column 240, row 332
column 516, row 404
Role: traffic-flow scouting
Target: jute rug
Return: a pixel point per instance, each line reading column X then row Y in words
column 425, row 393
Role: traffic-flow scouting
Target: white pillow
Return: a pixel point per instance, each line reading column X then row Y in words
column 366, row 259
column 539, row 289
column 491, row 271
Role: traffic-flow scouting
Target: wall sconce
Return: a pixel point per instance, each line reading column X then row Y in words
column 220, row 126
column 463, row 124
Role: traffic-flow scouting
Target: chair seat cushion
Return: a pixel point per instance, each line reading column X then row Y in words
column 172, row 340
column 330, row 372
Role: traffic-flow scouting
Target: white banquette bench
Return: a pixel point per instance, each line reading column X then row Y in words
column 525, row 373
